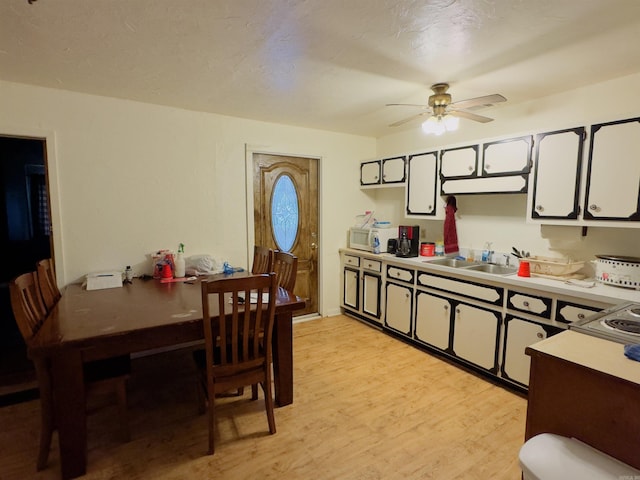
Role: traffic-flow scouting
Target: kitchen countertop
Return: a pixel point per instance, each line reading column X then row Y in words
column 598, row 293
column 594, row 353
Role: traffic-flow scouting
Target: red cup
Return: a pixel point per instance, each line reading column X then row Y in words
column 524, row 270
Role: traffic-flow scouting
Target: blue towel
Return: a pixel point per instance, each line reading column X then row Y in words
column 632, row 352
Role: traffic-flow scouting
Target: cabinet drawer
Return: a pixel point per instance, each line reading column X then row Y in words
column 533, row 304
column 352, row 260
column 373, row 265
column 478, row 291
column 400, row 274
column 567, row 312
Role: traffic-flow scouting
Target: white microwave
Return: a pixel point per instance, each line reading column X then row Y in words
column 362, row 238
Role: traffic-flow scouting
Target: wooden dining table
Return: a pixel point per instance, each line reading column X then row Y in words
column 141, row 316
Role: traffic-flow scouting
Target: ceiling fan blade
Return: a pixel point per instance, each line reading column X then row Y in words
column 470, row 116
column 484, row 101
column 407, row 120
column 407, row 105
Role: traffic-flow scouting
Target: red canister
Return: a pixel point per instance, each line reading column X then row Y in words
column 427, row 249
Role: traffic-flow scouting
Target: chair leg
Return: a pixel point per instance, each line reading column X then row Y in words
column 254, row 391
column 46, row 432
column 268, row 403
column 212, row 419
column 121, row 393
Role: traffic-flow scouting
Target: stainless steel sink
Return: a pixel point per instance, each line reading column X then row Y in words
column 451, row 262
column 494, row 269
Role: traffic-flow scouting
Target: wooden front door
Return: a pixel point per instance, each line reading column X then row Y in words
column 285, row 199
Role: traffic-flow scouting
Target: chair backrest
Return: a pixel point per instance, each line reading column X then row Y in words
column 285, row 265
column 247, row 327
column 262, row 260
column 26, row 303
column 47, row 283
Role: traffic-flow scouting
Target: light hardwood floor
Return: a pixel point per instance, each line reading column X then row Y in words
column 366, row 406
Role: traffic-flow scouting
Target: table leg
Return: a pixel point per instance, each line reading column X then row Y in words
column 283, row 358
column 69, row 410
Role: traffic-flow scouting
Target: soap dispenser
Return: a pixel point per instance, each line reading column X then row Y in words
column 486, row 253
column 180, row 263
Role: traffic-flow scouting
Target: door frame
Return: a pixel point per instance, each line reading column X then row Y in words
column 53, row 186
column 250, row 150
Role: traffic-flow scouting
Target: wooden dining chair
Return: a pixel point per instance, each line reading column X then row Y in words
column 237, row 341
column 285, row 265
column 101, row 376
column 262, row 259
column 47, row 283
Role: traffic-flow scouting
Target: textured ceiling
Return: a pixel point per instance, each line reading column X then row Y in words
column 328, row 64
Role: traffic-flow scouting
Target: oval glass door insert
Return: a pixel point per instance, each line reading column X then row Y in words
column 284, row 213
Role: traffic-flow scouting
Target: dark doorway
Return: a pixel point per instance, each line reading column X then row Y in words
column 25, row 233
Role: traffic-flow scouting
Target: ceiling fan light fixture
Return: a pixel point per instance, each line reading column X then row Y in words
column 451, row 123
column 439, row 124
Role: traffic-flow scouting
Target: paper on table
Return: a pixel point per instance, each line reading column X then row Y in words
column 253, row 297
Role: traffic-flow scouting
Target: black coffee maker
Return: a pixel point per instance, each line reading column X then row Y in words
column 408, row 241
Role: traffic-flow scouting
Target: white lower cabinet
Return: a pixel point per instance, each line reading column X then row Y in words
column 475, row 335
column 433, row 320
column 371, row 294
column 484, row 325
column 362, row 287
column 519, row 334
column 399, row 308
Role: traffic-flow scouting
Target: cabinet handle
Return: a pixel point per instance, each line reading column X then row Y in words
column 487, row 167
column 581, row 316
column 458, row 311
column 539, row 208
column 446, row 307
column 407, row 295
column 540, row 335
column 593, row 207
column 470, row 168
column 525, row 303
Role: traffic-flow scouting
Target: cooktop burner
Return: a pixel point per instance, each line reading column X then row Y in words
column 628, row 326
column 620, row 323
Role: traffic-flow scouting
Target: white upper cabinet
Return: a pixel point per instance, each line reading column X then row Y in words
column 393, row 170
column 389, row 172
column 556, row 184
column 421, row 188
column 459, row 162
column 370, row 173
column 613, row 175
column 507, row 156
column 503, row 168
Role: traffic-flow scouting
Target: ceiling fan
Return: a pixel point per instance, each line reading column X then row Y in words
column 440, row 107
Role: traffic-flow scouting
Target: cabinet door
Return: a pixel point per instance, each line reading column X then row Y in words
column 613, row 176
column 351, row 284
column 370, row 173
column 518, row 335
column 507, row 156
column 421, row 184
column 459, row 162
column 398, row 308
column 556, row 184
column 475, row 335
column 393, row 170
column 433, row 320
column 371, row 294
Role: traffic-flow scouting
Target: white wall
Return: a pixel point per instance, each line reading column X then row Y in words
column 129, row 178
column 501, row 218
